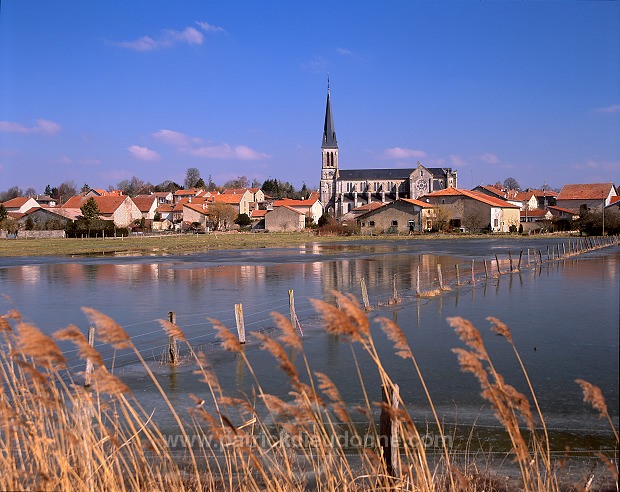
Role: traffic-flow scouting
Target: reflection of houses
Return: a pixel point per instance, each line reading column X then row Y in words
column 119, row 209
column 284, row 219
column 472, row 211
column 342, row 190
column 398, row 217
column 590, row 196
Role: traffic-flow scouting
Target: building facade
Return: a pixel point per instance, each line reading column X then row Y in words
column 342, row 190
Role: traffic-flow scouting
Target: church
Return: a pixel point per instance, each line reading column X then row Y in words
column 342, row 190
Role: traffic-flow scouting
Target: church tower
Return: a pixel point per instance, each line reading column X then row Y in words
column 329, row 167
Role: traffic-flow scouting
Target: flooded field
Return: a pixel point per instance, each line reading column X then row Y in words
column 563, row 314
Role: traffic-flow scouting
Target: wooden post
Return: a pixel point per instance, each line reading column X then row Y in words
column 499, row 272
column 510, row 259
column 486, row 270
column 417, row 282
column 388, row 429
column 365, row 294
column 440, row 276
column 291, row 307
column 240, row 322
column 473, row 278
column 89, row 363
column 396, row 298
column 528, row 257
column 173, row 348
column 458, row 276
column 540, row 256
column 519, row 264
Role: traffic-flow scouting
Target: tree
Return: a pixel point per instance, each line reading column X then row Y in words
column 12, row 192
column 200, row 184
column 240, row 182
column 3, row 212
column 66, row 190
column 85, row 188
column 473, row 222
column 441, row 218
column 90, row 212
column 48, row 190
column 31, row 192
column 256, row 183
column 243, row 220
column 211, row 186
column 168, row 186
column 511, row 184
column 221, row 215
column 192, row 175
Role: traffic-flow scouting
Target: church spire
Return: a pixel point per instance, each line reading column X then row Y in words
column 329, row 133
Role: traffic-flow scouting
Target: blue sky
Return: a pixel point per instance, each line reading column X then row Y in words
column 97, row 92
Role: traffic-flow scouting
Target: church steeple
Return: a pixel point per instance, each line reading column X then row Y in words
column 329, row 132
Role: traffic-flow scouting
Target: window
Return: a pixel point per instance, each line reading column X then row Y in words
column 371, row 223
column 394, row 223
column 495, row 223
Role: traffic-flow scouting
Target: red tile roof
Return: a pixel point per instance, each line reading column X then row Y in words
column 16, row 202
column 595, row 191
column 228, row 198
column 481, row 197
column 107, row 204
column 144, row 202
column 419, row 203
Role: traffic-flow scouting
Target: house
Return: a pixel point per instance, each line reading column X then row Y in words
column 471, row 210
column 163, row 197
column 590, row 196
column 102, row 192
column 120, row 209
column 401, row 216
column 525, row 200
column 562, row 213
column 20, row 204
column 191, row 193
column 310, row 207
column 362, row 209
column 147, row 204
column 165, row 211
column 284, row 219
column 240, row 202
column 614, row 203
column 536, row 215
column 545, row 198
column 196, row 213
column 256, row 194
column 45, row 200
column 177, row 209
column 44, row 218
column 490, row 190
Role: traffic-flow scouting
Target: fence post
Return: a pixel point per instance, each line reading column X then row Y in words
column 499, row 272
column 458, row 275
column 291, row 307
column 365, row 294
column 486, row 270
column 388, row 428
column 440, row 276
column 417, row 282
column 473, row 278
column 510, row 259
column 519, row 264
column 240, row 322
column 89, row 363
column 396, row 298
column 173, row 348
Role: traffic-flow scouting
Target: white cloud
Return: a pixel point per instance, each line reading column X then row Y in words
column 614, row 108
column 143, row 153
column 489, row 158
column 206, row 27
column 225, row 151
column 194, row 146
column 176, row 138
column 168, row 39
column 403, row 153
column 45, row 127
column 456, row 160
column 344, row 52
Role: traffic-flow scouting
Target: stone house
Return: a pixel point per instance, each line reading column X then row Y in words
column 472, row 211
column 20, row 204
column 119, row 209
column 240, row 202
column 310, row 207
column 284, row 219
column 196, row 213
column 44, row 218
column 147, row 204
column 591, row 196
column 402, row 216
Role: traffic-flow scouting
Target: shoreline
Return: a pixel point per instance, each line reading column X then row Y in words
column 187, row 244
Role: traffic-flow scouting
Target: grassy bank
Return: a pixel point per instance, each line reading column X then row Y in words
column 189, row 243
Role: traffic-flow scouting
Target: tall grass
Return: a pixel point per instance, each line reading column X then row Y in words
column 57, row 435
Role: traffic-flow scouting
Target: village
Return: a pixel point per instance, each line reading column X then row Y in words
column 490, row 209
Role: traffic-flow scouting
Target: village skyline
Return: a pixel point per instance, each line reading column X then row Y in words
column 97, row 95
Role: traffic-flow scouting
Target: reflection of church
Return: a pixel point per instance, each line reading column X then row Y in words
column 345, row 189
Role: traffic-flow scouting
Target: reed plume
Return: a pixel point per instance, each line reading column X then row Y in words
column 31, row 342
column 108, row 330
column 229, row 341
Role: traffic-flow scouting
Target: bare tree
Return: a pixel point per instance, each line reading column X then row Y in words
column 192, row 175
column 473, row 222
column 240, row 182
column 511, row 184
column 222, row 215
column 66, row 190
column 31, row 192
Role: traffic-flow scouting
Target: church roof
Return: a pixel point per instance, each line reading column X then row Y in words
column 396, row 173
column 329, row 132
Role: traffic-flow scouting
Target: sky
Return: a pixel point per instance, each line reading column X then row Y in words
column 98, row 92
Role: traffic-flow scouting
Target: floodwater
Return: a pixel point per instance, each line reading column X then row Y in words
column 563, row 314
